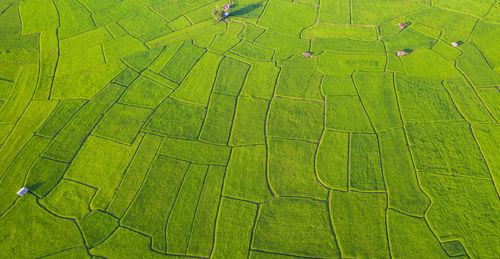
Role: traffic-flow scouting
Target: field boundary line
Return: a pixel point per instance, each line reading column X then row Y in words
column 257, row 216
column 196, row 209
column 126, row 170
column 146, row 175
column 172, row 208
column 330, row 220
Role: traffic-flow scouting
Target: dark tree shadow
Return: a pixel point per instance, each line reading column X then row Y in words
column 35, row 186
column 245, row 9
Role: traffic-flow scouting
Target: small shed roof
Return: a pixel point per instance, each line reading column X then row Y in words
column 401, row 53
column 22, row 191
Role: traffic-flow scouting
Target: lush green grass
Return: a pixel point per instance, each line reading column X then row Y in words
column 348, row 46
column 452, row 197
column 284, row 45
column 14, row 176
column 246, row 174
column 466, row 100
column 126, row 77
column 287, row 17
column 296, row 119
column 378, row 11
column 67, row 142
column 487, row 137
column 346, row 113
column 122, row 123
column 446, row 148
column 482, row 41
column 233, row 235
column 125, row 243
column 44, row 175
column 295, row 226
column 20, row 94
column 69, row 199
column 403, row 190
column 183, row 212
column 365, row 173
column 202, row 229
column 426, row 63
column 197, row 85
column 489, row 97
column 145, row 92
column 97, row 227
column 260, row 80
column 408, row 39
column 331, row 63
column 376, row 91
column 455, row 26
column 63, row 113
column 134, row 175
column 332, row 170
column 424, row 100
column 359, row 221
column 158, row 209
column 228, row 40
column 104, row 174
column 249, row 121
column 219, row 119
column 180, row 64
column 145, row 129
column 299, row 79
column 50, row 235
column 334, row 12
column 360, row 33
column 476, row 67
column 195, row 151
column 249, row 50
column 177, row 119
column 296, row 158
column 407, row 231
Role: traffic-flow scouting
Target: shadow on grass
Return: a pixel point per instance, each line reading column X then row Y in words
column 35, row 186
column 245, row 9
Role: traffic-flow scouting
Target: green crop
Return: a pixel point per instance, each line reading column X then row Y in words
column 282, row 129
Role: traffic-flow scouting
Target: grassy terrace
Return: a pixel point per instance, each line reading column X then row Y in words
column 145, row 129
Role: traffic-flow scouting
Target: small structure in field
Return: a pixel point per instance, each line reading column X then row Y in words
column 22, row 191
column 401, row 26
column 454, row 44
column 306, row 54
column 401, row 53
column 226, row 10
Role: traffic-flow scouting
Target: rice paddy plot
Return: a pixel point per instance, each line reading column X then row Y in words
column 287, row 129
column 354, row 213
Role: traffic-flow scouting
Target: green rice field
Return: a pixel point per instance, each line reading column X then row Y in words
column 290, row 129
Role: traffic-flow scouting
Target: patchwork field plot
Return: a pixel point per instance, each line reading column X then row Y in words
column 291, row 129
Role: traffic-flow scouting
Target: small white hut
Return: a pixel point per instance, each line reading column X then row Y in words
column 401, row 53
column 22, row 192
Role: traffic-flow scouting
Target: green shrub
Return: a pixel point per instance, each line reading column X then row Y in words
column 218, row 14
